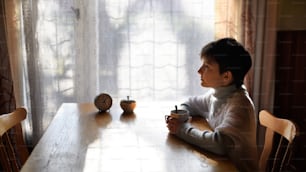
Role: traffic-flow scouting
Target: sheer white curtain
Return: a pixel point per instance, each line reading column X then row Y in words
column 145, row 49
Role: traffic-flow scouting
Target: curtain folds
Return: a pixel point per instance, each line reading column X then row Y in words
column 265, row 59
column 237, row 19
column 264, row 66
column 33, row 88
column 7, row 98
column 13, row 25
column 253, row 23
column 10, row 72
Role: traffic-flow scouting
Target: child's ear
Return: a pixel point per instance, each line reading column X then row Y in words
column 227, row 77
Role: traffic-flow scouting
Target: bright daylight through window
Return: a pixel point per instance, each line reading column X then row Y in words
column 145, row 49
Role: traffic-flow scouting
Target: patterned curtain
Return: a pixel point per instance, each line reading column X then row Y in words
column 236, row 18
column 253, row 23
column 7, row 99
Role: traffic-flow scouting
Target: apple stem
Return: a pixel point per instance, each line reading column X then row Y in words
column 175, row 108
column 128, row 97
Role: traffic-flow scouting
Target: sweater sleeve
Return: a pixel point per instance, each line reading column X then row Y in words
column 197, row 105
column 209, row 140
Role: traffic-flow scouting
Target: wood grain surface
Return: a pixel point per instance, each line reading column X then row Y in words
column 82, row 139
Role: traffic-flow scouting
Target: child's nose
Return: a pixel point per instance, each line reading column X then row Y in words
column 200, row 70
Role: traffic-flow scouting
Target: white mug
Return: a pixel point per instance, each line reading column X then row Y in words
column 181, row 115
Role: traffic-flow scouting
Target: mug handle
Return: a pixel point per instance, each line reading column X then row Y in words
column 167, row 118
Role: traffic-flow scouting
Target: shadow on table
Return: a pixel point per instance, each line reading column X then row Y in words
column 103, row 119
column 128, row 117
column 202, row 159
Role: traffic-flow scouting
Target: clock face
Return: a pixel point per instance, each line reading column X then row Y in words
column 103, row 102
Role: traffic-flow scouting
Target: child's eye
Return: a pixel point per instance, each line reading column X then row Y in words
column 205, row 66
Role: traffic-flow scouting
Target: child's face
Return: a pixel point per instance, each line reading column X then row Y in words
column 210, row 75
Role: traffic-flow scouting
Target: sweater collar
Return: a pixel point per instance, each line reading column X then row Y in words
column 221, row 92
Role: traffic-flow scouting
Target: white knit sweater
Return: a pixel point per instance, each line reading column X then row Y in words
column 230, row 113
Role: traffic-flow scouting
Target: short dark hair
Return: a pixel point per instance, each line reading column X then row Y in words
column 231, row 56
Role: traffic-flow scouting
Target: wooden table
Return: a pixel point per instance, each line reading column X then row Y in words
column 81, row 139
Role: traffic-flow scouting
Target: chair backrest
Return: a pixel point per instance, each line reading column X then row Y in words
column 9, row 149
column 287, row 130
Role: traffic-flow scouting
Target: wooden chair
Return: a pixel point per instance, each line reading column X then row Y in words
column 287, row 131
column 12, row 155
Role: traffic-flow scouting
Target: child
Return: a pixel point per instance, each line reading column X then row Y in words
column 227, row 106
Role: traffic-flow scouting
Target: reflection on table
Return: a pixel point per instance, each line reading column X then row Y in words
column 82, row 139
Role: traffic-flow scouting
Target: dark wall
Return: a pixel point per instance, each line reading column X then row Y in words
column 290, row 86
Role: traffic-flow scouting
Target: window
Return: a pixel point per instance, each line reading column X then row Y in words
column 145, row 49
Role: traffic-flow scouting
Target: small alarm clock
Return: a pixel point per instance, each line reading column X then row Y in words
column 103, row 102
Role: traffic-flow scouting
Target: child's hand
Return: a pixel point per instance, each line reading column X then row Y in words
column 173, row 125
